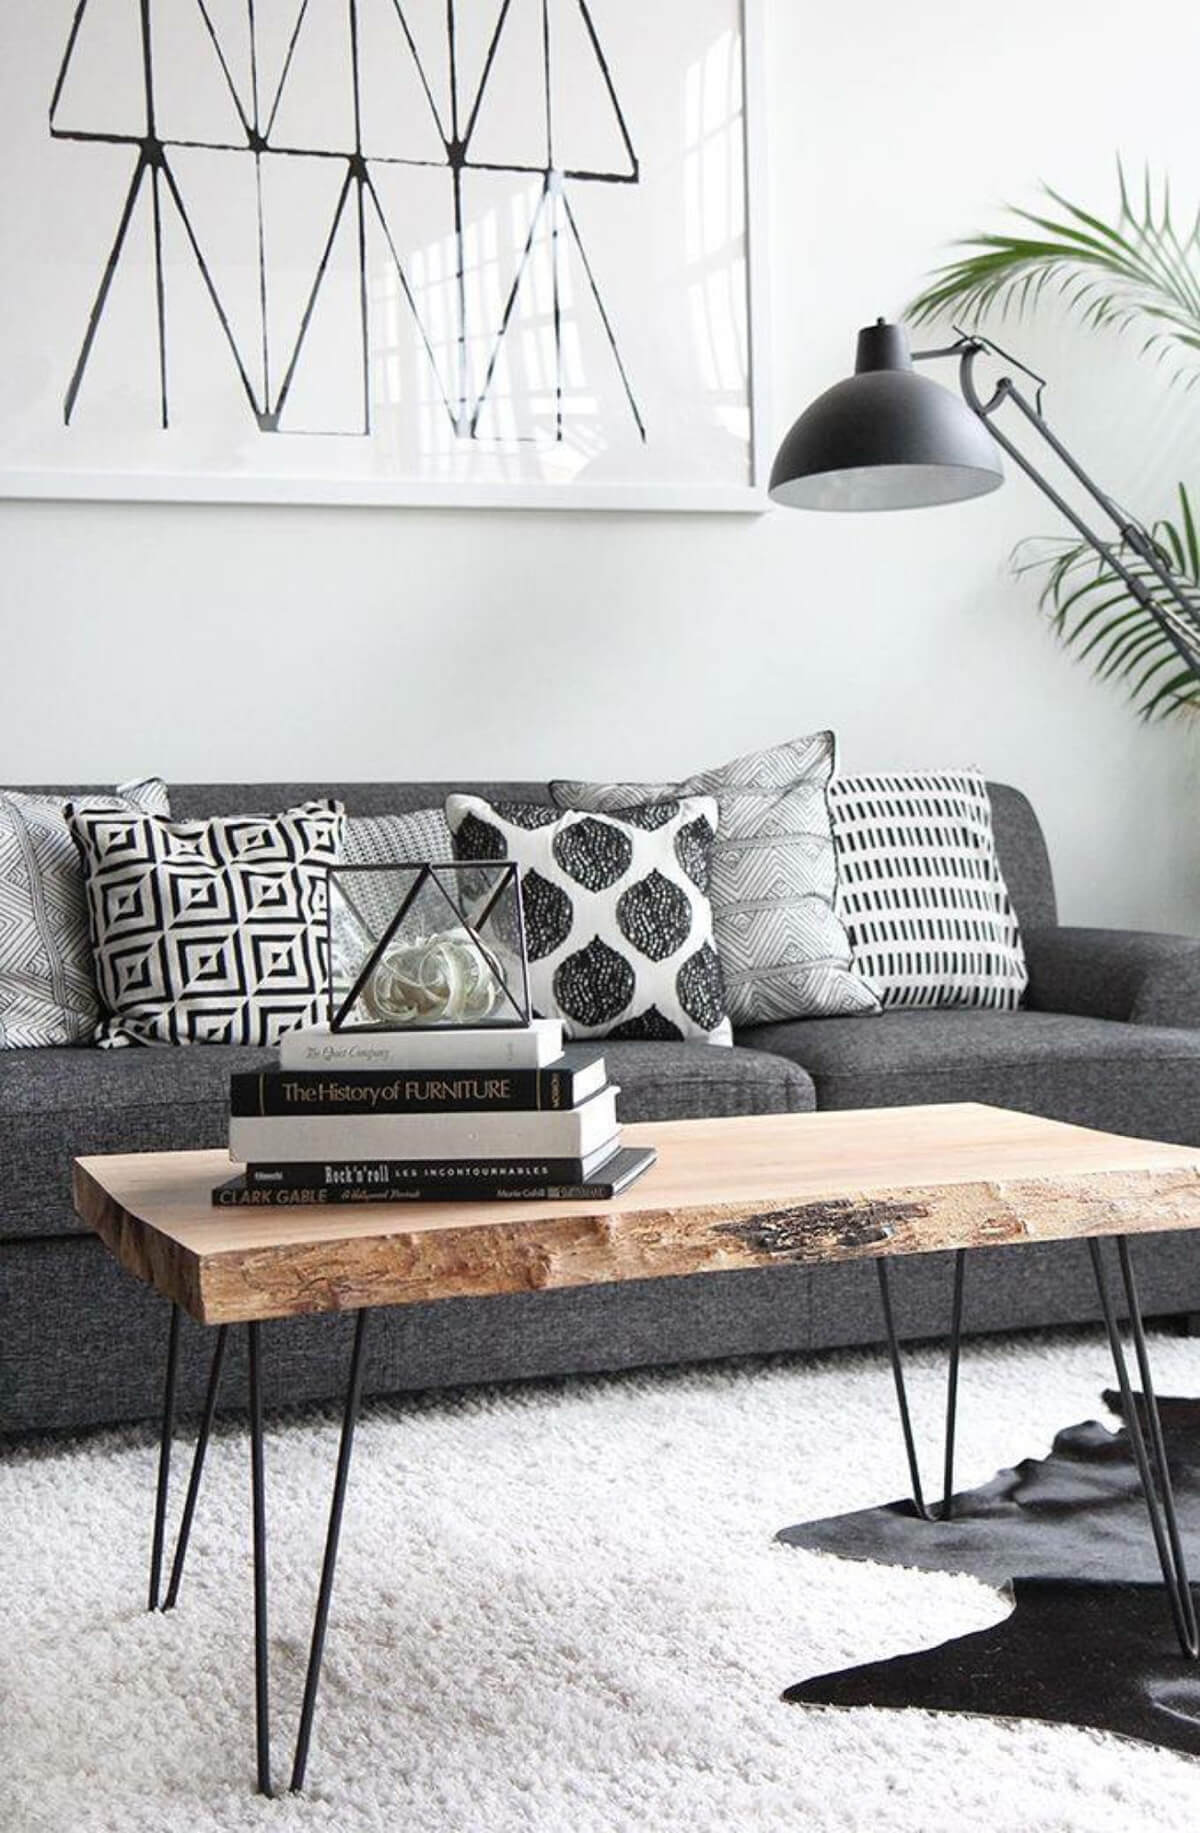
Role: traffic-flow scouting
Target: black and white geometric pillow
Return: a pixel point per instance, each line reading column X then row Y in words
column 47, row 980
column 209, row 932
column 784, row 952
column 921, row 891
column 617, row 918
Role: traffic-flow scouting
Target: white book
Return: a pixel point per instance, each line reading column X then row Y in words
column 304, row 1138
column 529, row 1046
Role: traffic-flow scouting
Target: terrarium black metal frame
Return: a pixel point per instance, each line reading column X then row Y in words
column 424, row 872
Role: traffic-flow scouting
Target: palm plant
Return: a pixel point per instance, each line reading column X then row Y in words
column 1139, row 275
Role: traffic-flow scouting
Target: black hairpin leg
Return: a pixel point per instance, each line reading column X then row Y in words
column 193, row 1489
column 1153, row 1469
column 164, row 1459
column 910, row 1447
column 261, row 1701
column 317, row 1648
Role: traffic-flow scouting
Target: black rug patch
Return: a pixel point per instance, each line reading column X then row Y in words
column 1072, row 1653
column 1090, row 1640
column 1076, row 1513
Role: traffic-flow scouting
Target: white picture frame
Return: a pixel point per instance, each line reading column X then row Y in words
column 37, row 453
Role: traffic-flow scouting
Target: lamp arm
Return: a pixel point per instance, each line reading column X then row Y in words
column 1180, row 620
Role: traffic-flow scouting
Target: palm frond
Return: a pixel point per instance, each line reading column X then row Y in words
column 1138, row 273
column 1155, row 650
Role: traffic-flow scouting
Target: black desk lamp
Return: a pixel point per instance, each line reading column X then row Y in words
column 887, row 438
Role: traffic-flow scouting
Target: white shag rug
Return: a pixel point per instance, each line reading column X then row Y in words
column 559, row 1608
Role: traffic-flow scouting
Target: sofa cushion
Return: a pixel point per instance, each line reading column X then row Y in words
column 1141, row 1080
column 783, row 949
column 921, row 891
column 56, row 1105
column 692, row 1081
column 209, row 932
column 47, row 981
column 618, row 922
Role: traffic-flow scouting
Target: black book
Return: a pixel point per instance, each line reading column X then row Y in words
column 573, row 1078
column 458, row 1173
column 502, row 1184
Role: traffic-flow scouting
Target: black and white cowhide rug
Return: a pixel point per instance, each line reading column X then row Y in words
column 1090, row 1639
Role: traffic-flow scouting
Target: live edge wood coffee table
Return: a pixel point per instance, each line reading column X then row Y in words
column 725, row 1195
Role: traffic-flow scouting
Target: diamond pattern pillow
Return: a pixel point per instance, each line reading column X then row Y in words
column 922, row 893
column 209, row 932
column 47, row 980
column 617, row 918
column 783, row 949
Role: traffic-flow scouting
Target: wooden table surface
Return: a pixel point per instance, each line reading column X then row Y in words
column 725, row 1194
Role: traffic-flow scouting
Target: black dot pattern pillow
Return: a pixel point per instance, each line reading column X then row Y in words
column 617, row 918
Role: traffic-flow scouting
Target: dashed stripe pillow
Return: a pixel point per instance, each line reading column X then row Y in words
column 921, row 892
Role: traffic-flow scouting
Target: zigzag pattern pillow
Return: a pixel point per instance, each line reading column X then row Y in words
column 783, row 950
column 618, row 924
column 47, row 981
column 209, row 932
column 922, row 893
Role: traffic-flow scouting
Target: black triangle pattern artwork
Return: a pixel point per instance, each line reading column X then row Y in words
column 248, row 106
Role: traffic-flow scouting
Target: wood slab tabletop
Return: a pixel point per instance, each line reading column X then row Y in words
column 725, row 1195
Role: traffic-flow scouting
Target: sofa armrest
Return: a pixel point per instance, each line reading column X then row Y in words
column 1131, row 975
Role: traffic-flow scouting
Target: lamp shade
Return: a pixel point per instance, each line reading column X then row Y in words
column 886, row 438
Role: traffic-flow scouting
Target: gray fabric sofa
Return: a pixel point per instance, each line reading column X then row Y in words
column 1110, row 1038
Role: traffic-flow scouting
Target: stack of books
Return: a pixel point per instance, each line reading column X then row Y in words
column 422, row 1116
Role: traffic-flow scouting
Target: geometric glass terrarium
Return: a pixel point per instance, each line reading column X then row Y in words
column 427, row 947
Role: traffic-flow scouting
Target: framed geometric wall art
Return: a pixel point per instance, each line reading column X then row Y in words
column 498, row 252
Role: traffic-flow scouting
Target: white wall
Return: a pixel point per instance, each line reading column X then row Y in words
column 267, row 642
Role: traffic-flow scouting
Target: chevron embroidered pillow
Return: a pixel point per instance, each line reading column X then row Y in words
column 922, row 894
column 209, row 932
column 47, row 980
column 617, row 919
column 783, row 950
